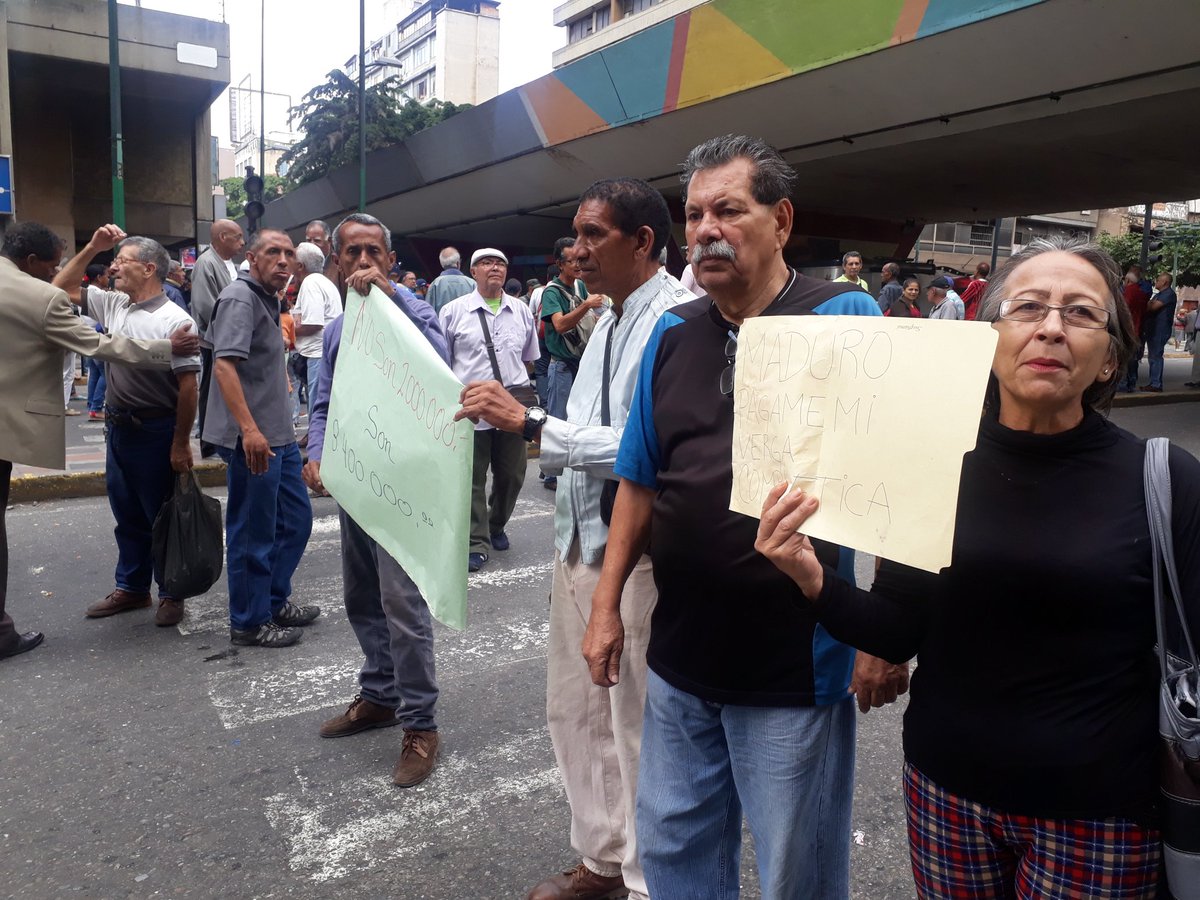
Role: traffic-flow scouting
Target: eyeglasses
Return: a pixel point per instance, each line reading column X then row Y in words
column 731, row 358
column 1077, row 315
column 492, row 264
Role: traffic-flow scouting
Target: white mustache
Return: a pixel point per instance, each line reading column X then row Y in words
column 721, row 249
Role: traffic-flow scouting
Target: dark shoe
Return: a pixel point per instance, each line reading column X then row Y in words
column 1150, row 389
column 207, row 449
column 1191, row 384
column 170, row 612
column 418, row 756
column 579, row 883
column 551, row 483
column 361, row 715
column 25, row 642
column 118, row 601
column 500, row 541
column 292, row 616
column 475, row 561
column 267, row 634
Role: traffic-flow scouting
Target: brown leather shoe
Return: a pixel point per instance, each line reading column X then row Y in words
column 169, row 612
column 361, row 715
column 118, row 601
column 418, row 756
column 579, row 883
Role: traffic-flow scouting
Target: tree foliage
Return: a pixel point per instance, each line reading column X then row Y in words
column 1180, row 251
column 328, row 117
column 235, row 197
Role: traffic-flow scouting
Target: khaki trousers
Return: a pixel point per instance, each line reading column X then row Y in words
column 597, row 732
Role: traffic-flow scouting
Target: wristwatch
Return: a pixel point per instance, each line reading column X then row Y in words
column 535, row 418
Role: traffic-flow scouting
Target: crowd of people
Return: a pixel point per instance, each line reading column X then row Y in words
column 702, row 666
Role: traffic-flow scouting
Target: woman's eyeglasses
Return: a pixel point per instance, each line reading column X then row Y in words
column 1077, row 315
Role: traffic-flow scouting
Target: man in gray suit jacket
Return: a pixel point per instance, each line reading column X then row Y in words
column 38, row 325
column 213, row 271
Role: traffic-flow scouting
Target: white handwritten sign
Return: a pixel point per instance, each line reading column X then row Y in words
column 872, row 415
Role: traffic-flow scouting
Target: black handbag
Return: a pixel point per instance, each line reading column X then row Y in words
column 1179, row 690
column 523, row 393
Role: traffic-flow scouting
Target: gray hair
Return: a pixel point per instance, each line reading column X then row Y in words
column 324, row 226
column 310, row 256
column 360, row 219
column 772, row 180
column 150, row 251
column 1122, row 338
column 449, row 258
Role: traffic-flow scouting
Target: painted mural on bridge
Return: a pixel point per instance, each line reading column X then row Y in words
column 728, row 46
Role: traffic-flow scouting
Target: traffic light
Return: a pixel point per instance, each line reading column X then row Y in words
column 253, row 186
column 1154, row 247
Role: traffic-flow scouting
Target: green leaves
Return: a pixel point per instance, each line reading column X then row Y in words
column 328, row 117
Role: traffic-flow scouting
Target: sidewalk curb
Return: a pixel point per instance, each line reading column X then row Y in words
column 1126, row 401
column 71, row 485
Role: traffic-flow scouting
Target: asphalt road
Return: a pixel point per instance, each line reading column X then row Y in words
column 145, row 762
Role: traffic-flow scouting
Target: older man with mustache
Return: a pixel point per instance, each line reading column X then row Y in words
column 747, row 704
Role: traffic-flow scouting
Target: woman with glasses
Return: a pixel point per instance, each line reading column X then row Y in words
column 1031, row 736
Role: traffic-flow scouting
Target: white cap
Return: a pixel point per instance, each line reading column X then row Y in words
column 485, row 253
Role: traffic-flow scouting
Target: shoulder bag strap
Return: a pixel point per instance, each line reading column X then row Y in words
column 1157, row 478
column 605, row 418
column 487, row 342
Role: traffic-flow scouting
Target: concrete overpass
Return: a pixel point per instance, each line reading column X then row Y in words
column 911, row 111
column 54, row 116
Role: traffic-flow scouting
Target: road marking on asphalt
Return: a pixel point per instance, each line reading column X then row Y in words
column 497, row 577
column 526, row 510
column 210, row 613
column 243, row 697
column 325, row 843
column 325, row 525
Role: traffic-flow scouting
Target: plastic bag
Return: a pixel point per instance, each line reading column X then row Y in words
column 189, row 540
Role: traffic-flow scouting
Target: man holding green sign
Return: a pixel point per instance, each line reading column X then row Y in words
column 380, row 515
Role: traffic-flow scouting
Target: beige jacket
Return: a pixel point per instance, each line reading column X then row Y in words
column 36, row 326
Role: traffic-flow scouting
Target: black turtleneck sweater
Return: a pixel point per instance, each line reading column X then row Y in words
column 1036, row 685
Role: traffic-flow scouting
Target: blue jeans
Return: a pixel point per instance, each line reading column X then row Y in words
column 97, row 384
column 1156, row 342
column 541, row 373
column 267, row 523
column 790, row 768
column 562, row 378
column 138, row 474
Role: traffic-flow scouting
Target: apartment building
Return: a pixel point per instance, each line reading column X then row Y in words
column 440, row 49
column 594, row 24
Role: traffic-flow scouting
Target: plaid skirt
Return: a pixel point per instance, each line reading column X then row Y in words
column 962, row 849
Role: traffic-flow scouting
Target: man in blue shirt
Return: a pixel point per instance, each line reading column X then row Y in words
column 1160, row 320
column 747, row 705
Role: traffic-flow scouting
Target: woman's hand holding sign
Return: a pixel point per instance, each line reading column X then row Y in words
column 779, row 540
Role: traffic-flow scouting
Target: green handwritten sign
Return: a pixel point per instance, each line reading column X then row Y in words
column 394, row 458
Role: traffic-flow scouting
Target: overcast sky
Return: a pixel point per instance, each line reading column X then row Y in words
column 302, row 47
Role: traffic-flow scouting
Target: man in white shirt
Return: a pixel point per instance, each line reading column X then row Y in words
column 148, row 424
column 620, row 227
column 488, row 316
column 317, row 304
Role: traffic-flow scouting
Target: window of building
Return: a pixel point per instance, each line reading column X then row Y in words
column 636, row 6
column 603, row 17
column 579, row 29
column 981, row 234
column 944, row 232
column 422, row 88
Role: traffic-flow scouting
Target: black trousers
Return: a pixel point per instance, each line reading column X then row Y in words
column 206, row 374
column 8, row 631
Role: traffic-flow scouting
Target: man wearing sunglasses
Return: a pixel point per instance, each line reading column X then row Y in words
column 747, row 705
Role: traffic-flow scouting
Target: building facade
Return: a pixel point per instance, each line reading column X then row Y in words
column 445, row 50
column 594, row 24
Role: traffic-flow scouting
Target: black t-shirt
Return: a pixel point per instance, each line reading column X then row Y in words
column 1036, row 687
column 729, row 627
